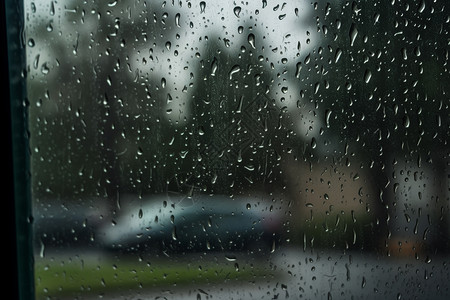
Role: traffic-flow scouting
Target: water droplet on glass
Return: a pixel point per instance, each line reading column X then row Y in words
column 177, row 20
column 239, row 157
column 214, row 179
column 214, row 67
column 327, row 117
column 417, row 51
column 44, row 69
column 421, row 6
column 202, row 6
column 49, row 27
column 316, row 87
column 230, row 257
column 353, row 33
column 141, row 213
column 235, row 69
column 313, row 143
column 52, row 8
column 251, row 40
column 298, row 68
column 404, row 53
column 406, row 121
column 367, row 76
column 337, row 55
column 248, row 206
column 174, row 233
column 237, row 11
column 31, row 43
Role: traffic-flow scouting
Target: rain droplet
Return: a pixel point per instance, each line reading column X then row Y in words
column 202, row 6
column 31, row 43
column 234, row 70
column 327, row 117
column 49, row 27
column 214, row 179
column 367, row 76
column 237, row 11
column 174, row 233
column 337, row 55
column 353, row 33
column 251, row 40
column 44, row 69
column 248, row 206
column 421, row 6
column 363, row 283
column 42, row 250
column 177, row 20
column 168, row 45
column 316, row 87
column 406, row 121
column 214, row 67
column 230, row 257
column 313, row 143
column 52, row 8
column 404, row 53
column 298, row 68
column 141, row 213
column 408, row 218
column 36, row 61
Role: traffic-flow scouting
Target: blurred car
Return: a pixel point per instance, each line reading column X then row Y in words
column 70, row 224
column 199, row 223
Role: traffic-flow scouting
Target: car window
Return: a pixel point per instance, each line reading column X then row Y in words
column 238, row 150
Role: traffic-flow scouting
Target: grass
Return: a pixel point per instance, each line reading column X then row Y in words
column 77, row 277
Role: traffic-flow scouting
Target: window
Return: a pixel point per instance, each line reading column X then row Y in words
column 259, row 149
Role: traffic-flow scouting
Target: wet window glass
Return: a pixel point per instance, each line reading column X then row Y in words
column 239, row 149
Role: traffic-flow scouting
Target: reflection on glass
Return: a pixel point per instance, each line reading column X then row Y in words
column 239, row 150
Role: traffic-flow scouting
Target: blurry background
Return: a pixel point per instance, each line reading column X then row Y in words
column 330, row 120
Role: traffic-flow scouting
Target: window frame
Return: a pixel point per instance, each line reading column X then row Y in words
column 20, row 272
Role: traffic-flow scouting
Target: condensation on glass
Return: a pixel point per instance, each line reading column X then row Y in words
column 246, row 150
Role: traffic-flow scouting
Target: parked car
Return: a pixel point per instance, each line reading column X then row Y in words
column 199, row 223
column 67, row 224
